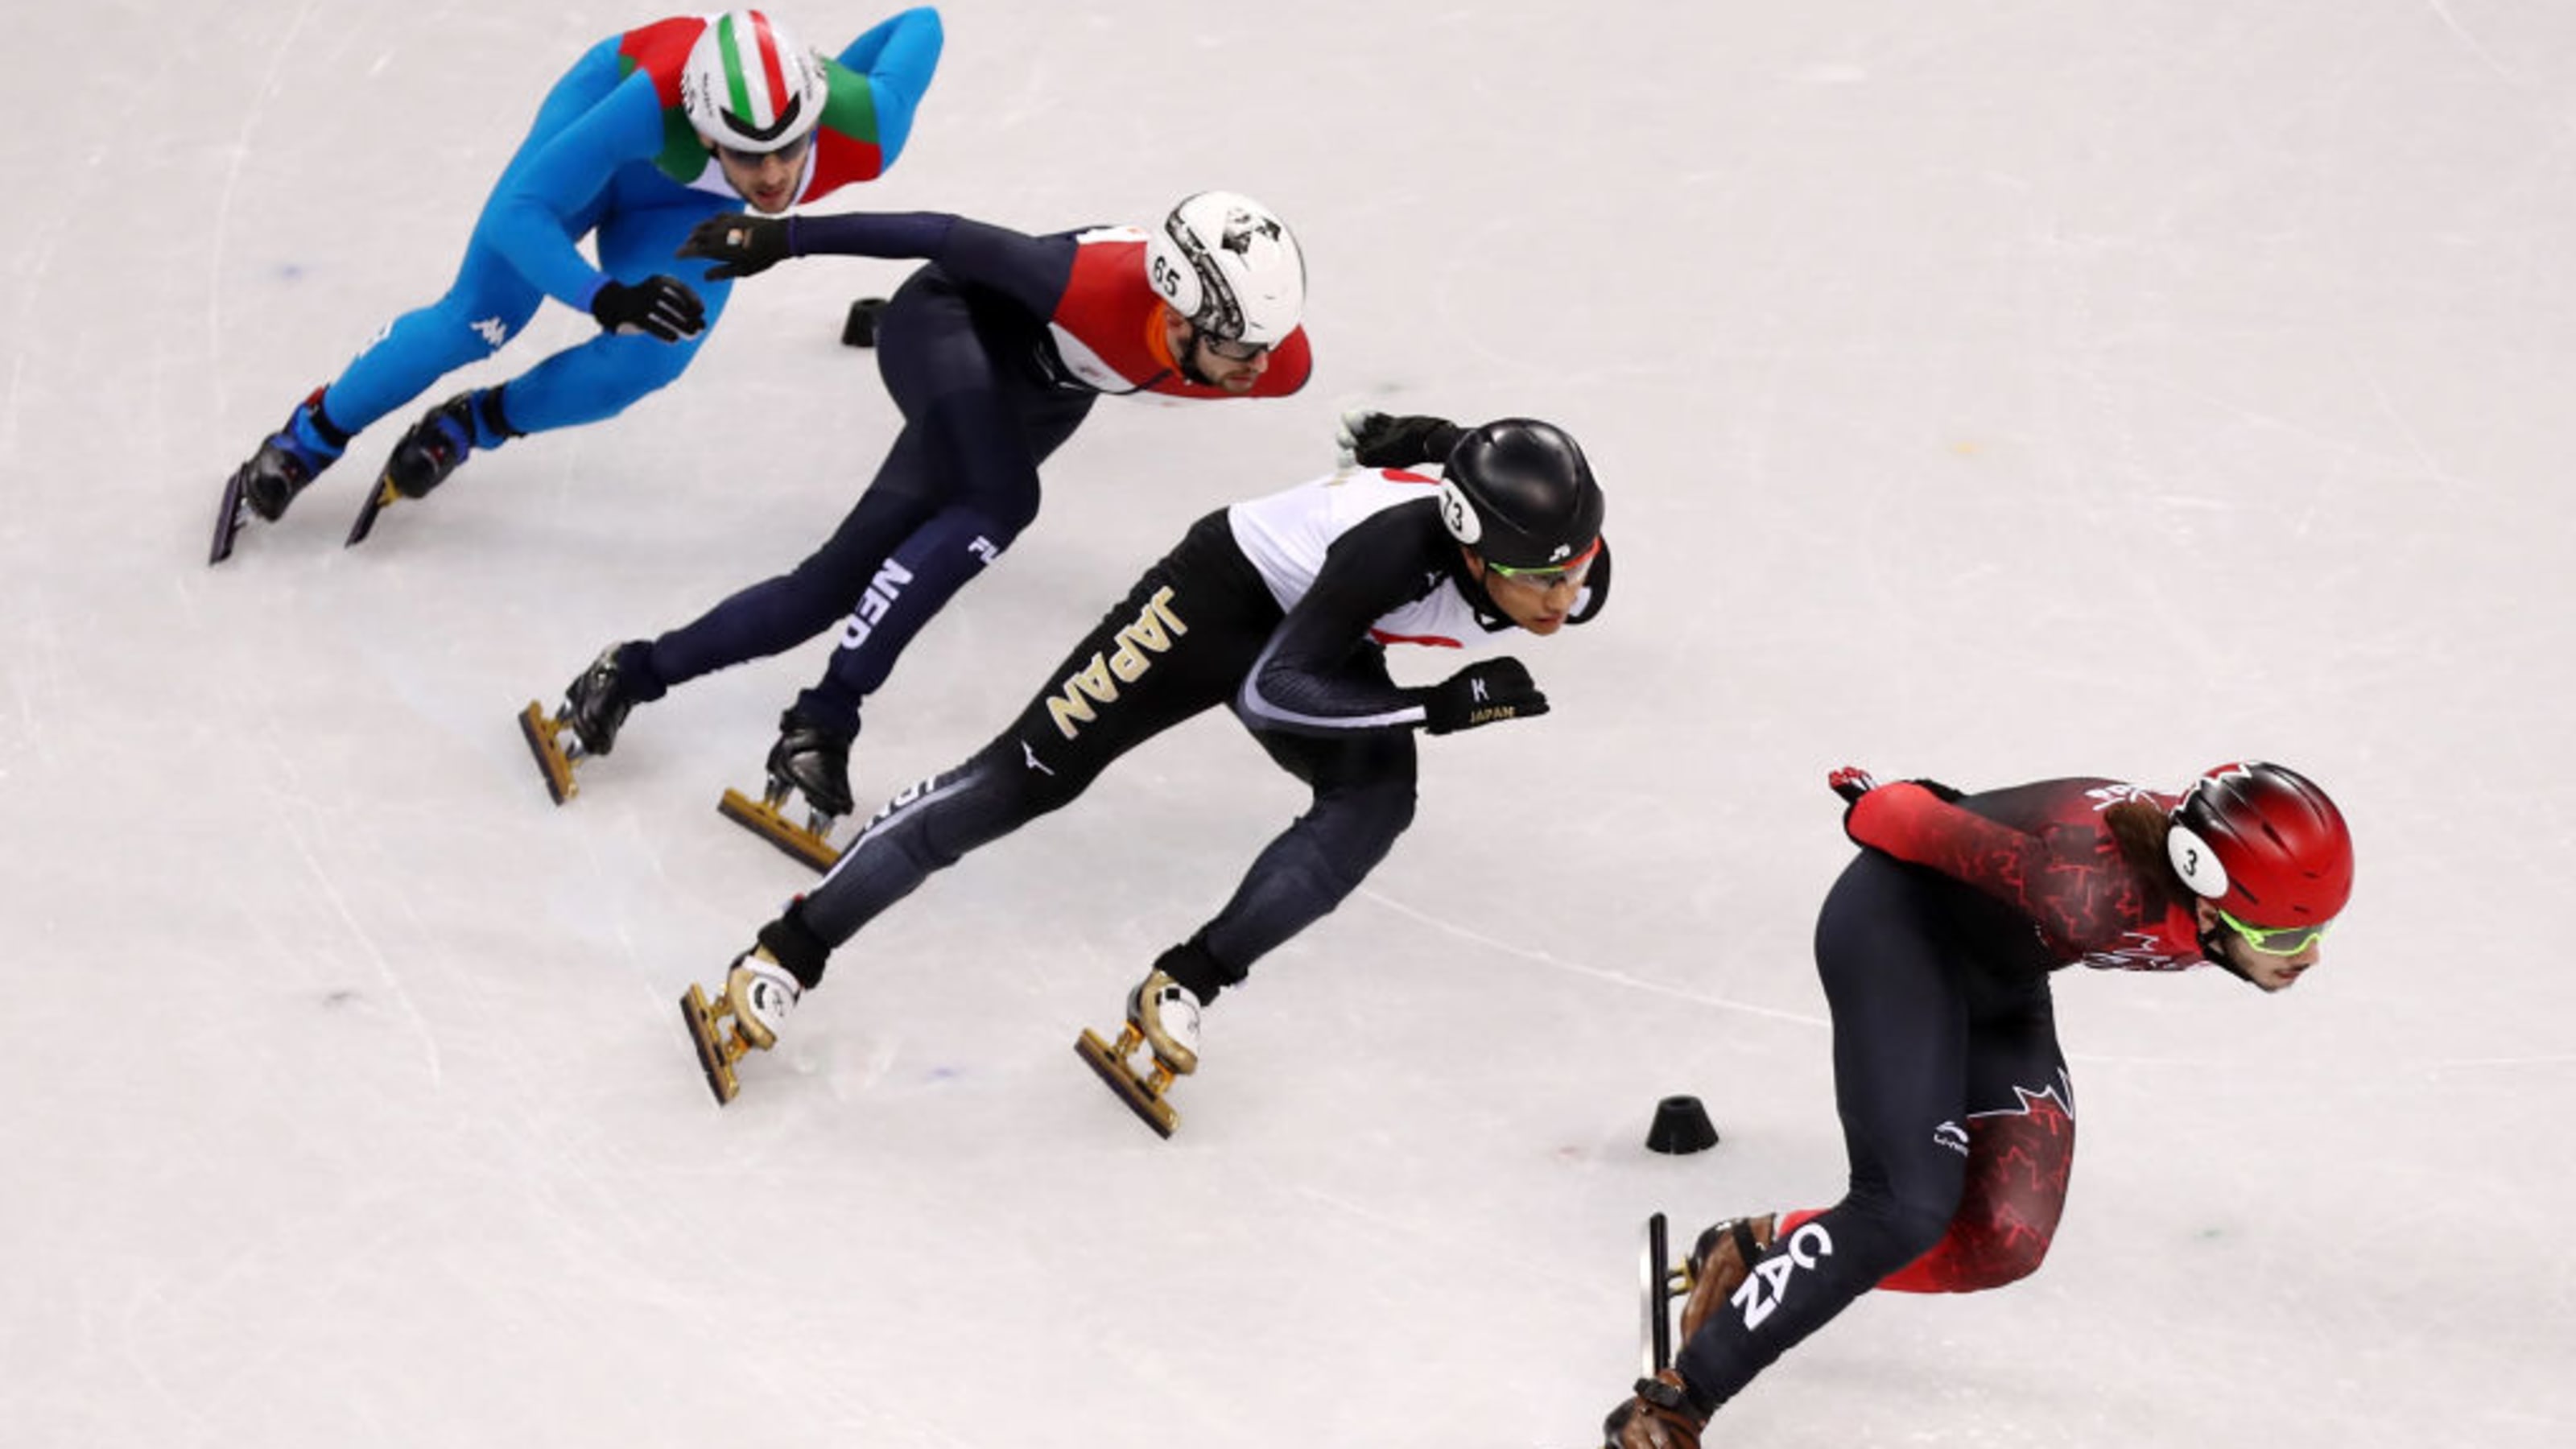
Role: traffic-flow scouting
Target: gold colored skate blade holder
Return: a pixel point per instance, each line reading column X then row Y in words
column 553, row 760
column 718, row 1049
column 384, row 495
column 1142, row 1094
column 764, row 819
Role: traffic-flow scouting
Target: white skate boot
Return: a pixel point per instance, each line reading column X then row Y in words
column 758, row 993
column 1162, row 1018
column 1166, row 1015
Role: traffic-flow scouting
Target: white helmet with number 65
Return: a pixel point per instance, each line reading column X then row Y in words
column 1231, row 266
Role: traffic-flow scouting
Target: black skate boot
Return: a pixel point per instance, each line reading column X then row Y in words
column 441, row 441
column 436, row 446
column 814, row 758
column 594, row 707
column 595, row 704
column 285, row 465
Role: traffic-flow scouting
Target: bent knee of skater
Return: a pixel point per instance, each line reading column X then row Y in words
column 645, row 365
column 1897, row 1233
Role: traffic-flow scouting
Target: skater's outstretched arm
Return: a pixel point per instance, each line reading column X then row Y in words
column 529, row 221
column 875, row 85
column 1031, row 270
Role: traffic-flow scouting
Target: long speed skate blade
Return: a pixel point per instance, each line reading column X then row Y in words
column 762, row 819
column 228, row 521
column 1141, row 1096
column 718, row 1049
column 540, row 731
column 377, row 497
column 1654, row 1283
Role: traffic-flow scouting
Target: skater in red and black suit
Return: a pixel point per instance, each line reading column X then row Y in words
column 995, row 352
column 1935, row 948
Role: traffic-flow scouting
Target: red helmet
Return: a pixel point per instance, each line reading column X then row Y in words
column 2265, row 844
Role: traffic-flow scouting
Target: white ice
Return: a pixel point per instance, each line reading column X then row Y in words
column 1986, row 389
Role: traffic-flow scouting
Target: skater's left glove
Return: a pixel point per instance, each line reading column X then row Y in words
column 739, row 245
column 1375, row 440
column 658, row 306
column 1659, row 1416
column 1488, row 691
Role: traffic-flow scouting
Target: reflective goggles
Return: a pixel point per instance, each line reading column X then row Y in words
column 1572, row 571
column 1231, row 349
column 2277, row 940
column 791, row 153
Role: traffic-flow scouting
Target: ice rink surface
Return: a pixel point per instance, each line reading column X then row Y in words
column 1988, row 390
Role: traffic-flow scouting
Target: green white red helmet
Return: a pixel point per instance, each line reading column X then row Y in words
column 1231, row 266
column 749, row 86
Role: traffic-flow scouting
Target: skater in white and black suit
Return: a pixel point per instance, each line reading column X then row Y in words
column 1282, row 608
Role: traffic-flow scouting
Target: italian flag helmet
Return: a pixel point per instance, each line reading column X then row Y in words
column 749, row 86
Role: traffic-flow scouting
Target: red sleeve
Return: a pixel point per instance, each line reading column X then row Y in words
column 1913, row 824
column 2050, row 859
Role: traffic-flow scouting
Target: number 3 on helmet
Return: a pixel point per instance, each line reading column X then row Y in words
column 2264, row 843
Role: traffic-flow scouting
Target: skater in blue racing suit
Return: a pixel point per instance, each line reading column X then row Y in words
column 649, row 133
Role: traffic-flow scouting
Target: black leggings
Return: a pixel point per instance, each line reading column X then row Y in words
column 1957, row 1117
column 1180, row 643
column 957, row 486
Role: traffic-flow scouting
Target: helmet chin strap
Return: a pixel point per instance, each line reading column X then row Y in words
column 1189, row 358
column 2213, row 948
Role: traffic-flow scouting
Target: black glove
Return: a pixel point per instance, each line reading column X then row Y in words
column 1484, row 692
column 659, row 306
column 741, row 244
column 1376, row 440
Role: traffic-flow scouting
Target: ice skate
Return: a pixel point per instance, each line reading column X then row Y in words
column 1163, row 1020
column 812, row 760
column 1659, row 1416
column 263, row 486
column 595, row 706
column 744, row 1017
column 434, row 448
column 1718, row 1264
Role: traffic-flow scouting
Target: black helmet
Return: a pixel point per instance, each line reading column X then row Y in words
column 1519, row 493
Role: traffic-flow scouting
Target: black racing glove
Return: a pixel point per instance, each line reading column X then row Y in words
column 740, row 244
column 1485, row 692
column 1376, row 440
column 657, row 306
